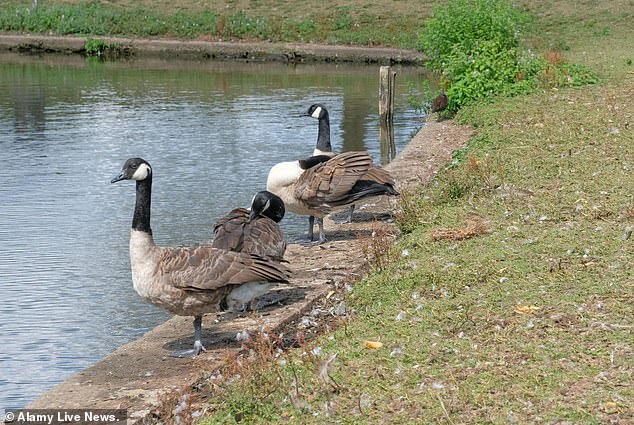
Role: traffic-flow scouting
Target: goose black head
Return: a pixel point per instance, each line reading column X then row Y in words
column 268, row 205
column 317, row 111
column 134, row 169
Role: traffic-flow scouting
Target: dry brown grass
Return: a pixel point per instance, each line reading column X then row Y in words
column 475, row 226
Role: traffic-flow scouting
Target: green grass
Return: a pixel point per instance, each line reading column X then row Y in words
column 358, row 22
column 549, row 174
column 550, row 179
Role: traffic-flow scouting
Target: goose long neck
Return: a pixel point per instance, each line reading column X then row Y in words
column 323, row 136
column 141, row 218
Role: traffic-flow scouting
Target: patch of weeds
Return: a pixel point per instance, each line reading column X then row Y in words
column 411, row 211
column 378, row 248
column 176, row 405
column 96, row 47
column 343, row 20
column 307, row 27
column 468, row 176
column 240, row 25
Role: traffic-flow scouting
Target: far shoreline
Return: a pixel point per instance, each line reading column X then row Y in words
column 127, row 48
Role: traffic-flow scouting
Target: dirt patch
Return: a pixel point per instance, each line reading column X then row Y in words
column 212, row 50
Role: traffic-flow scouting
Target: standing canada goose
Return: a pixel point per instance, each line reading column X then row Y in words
column 318, row 186
column 190, row 280
column 323, row 149
column 440, row 102
column 256, row 231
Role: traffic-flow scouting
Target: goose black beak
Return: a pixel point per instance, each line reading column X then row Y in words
column 120, row 177
column 252, row 215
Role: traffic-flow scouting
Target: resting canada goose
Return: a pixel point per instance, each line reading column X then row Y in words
column 320, row 185
column 189, row 280
column 323, row 148
column 256, row 231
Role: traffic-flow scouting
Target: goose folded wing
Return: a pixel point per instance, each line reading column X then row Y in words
column 204, row 268
column 330, row 183
column 379, row 175
column 264, row 237
column 229, row 230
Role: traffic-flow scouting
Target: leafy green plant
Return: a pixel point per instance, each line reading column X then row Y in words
column 343, row 20
column 487, row 70
column 464, row 24
column 477, row 46
column 95, row 47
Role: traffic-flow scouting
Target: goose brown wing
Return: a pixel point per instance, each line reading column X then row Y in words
column 229, row 231
column 379, row 175
column 203, row 268
column 329, row 183
column 264, row 237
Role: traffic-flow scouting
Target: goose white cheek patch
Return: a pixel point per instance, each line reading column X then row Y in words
column 317, row 112
column 142, row 172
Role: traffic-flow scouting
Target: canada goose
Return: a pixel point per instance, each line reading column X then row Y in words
column 320, row 185
column 323, row 149
column 189, row 280
column 440, row 102
column 256, row 231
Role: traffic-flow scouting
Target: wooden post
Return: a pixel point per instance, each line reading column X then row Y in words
column 387, row 82
column 385, row 93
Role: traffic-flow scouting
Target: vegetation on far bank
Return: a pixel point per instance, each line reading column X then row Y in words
column 360, row 22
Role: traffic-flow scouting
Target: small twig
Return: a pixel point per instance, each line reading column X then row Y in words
column 611, row 326
column 442, row 406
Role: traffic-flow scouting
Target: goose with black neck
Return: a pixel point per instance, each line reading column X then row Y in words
column 190, row 280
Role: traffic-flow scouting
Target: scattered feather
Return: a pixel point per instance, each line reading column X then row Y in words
column 373, row 345
column 525, row 309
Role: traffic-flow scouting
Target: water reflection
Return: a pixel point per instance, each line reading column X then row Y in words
column 210, row 130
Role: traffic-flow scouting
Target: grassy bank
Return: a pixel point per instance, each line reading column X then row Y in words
column 509, row 297
column 358, row 22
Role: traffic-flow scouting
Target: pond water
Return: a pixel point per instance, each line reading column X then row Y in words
column 211, row 131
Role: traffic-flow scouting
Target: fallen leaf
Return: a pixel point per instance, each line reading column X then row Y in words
column 526, row 309
column 610, row 407
column 373, row 344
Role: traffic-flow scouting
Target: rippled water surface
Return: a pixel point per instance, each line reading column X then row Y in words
column 211, row 132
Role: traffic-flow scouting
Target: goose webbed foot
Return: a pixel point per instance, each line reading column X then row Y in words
column 347, row 219
column 272, row 298
column 192, row 352
column 322, row 235
column 198, row 345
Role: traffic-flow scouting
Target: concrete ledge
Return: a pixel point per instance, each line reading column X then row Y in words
column 210, row 50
